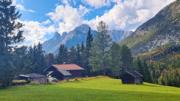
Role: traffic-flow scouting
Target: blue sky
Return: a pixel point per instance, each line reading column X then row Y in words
column 42, row 18
column 40, row 8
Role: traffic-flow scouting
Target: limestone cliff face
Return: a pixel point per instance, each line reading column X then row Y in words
column 162, row 30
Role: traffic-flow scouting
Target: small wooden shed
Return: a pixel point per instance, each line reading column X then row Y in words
column 34, row 78
column 131, row 77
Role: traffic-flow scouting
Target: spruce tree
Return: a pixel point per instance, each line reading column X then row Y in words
column 89, row 40
column 37, row 58
column 116, row 64
column 126, row 57
column 72, row 55
column 10, row 35
column 100, row 50
column 21, row 60
column 86, row 54
column 78, row 55
column 62, row 55
column 40, row 59
column 50, row 59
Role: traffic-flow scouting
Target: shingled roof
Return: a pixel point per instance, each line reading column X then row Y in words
column 134, row 73
column 67, row 67
column 64, row 72
column 32, row 75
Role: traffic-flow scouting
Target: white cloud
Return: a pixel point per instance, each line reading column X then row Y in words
column 97, row 3
column 128, row 15
column 114, row 18
column 21, row 7
column 67, row 17
column 83, row 10
column 35, row 31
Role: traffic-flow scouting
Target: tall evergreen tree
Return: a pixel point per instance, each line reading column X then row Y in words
column 50, row 59
column 78, row 55
column 72, row 55
column 100, row 50
column 62, row 55
column 40, row 59
column 37, row 57
column 146, row 74
column 116, row 64
column 21, row 60
column 142, row 67
column 138, row 65
column 10, row 35
column 126, row 57
column 86, row 54
column 89, row 40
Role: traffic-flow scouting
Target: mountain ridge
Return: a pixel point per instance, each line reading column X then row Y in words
column 78, row 36
column 161, row 30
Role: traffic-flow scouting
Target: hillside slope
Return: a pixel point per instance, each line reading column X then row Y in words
column 163, row 29
column 88, row 89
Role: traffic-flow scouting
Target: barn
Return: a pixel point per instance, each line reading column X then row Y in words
column 33, row 78
column 65, row 71
column 131, row 77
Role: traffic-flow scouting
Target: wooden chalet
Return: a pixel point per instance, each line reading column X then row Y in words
column 131, row 77
column 65, row 71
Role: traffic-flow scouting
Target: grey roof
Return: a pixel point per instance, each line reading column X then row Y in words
column 134, row 73
column 33, row 75
column 64, row 72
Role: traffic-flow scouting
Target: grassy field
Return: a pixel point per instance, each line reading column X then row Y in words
column 91, row 89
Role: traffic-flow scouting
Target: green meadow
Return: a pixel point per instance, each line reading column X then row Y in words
column 91, row 89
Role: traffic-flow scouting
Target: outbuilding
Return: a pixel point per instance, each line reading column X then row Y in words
column 131, row 77
column 34, row 78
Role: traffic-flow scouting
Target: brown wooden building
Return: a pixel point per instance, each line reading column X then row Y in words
column 33, row 78
column 65, row 71
column 131, row 77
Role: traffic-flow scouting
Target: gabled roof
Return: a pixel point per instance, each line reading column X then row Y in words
column 32, row 75
column 134, row 73
column 67, row 67
column 64, row 72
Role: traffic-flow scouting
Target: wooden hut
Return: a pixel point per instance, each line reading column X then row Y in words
column 34, row 78
column 131, row 77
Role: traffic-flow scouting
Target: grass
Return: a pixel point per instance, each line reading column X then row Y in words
column 91, row 89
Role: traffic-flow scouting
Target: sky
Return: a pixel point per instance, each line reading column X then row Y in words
column 42, row 18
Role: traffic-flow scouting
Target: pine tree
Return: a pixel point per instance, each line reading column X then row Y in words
column 72, row 55
column 62, row 55
column 50, row 59
column 116, row 64
column 146, row 74
column 142, row 67
column 10, row 35
column 40, row 59
column 89, row 40
column 126, row 57
column 138, row 65
column 21, row 60
column 78, row 55
column 100, row 50
column 37, row 58
column 86, row 53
